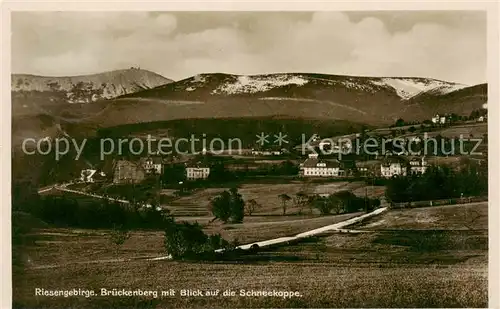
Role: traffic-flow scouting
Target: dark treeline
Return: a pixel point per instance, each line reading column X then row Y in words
column 342, row 202
column 370, row 147
column 182, row 240
column 244, row 129
column 285, row 168
column 62, row 211
column 219, row 173
column 450, row 119
column 440, row 182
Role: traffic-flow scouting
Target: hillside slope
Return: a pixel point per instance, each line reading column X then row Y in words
column 113, row 83
column 32, row 92
column 372, row 100
column 369, row 100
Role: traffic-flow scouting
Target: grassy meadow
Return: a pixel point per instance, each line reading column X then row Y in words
column 427, row 257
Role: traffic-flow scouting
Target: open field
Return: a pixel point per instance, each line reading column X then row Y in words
column 56, row 246
column 475, row 130
column 250, row 232
column 371, row 269
column 453, row 217
column 320, row 284
column 267, row 195
column 413, row 258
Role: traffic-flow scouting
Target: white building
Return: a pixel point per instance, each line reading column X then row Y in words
column 438, row 119
column 393, row 166
column 153, row 165
column 418, row 166
column 363, row 170
column 197, row 172
column 87, row 175
column 313, row 167
column 262, row 152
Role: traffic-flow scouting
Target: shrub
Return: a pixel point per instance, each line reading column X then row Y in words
column 221, row 206
column 228, row 205
column 251, row 206
column 188, row 241
column 326, row 205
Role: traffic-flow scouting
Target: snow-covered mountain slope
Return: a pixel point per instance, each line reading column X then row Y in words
column 407, row 88
column 262, row 83
column 373, row 100
column 103, row 85
column 370, row 100
column 225, row 84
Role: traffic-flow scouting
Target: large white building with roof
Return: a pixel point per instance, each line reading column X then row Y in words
column 418, row 166
column 399, row 166
column 393, row 166
column 314, row 167
column 197, row 170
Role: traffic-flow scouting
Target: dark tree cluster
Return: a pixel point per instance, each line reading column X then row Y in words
column 182, row 240
column 228, row 206
column 439, row 182
column 342, row 202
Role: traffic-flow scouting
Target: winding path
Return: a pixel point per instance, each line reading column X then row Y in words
column 339, row 226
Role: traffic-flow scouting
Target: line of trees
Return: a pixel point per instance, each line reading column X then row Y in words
column 63, row 211
column 342, row 202
column 219, row 173
column 181, row 240
column 229, row 206
column 440, row 182
column 450, row 118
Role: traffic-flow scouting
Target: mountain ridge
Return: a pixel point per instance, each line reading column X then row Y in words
column 233, row 84
column 370, row 100
column 105, row 85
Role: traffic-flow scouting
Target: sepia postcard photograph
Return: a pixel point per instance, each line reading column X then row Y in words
column 224, row 157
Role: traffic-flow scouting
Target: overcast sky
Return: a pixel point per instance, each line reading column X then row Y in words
column 444, row 45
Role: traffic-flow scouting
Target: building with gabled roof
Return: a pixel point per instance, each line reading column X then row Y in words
column 197, row 170
column 152, row 165
column 401, row 166
column 418, row 166
column 314, row 167
column 393, row 166
column 128, row 172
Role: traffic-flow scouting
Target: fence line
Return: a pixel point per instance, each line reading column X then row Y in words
column 441, row 202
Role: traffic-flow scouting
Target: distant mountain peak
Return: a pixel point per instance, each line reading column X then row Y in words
column 103, row 85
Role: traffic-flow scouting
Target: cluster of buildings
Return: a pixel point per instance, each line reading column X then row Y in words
column 439, row 119
column 125, row 171
column 399, row 166
column 391, row 166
